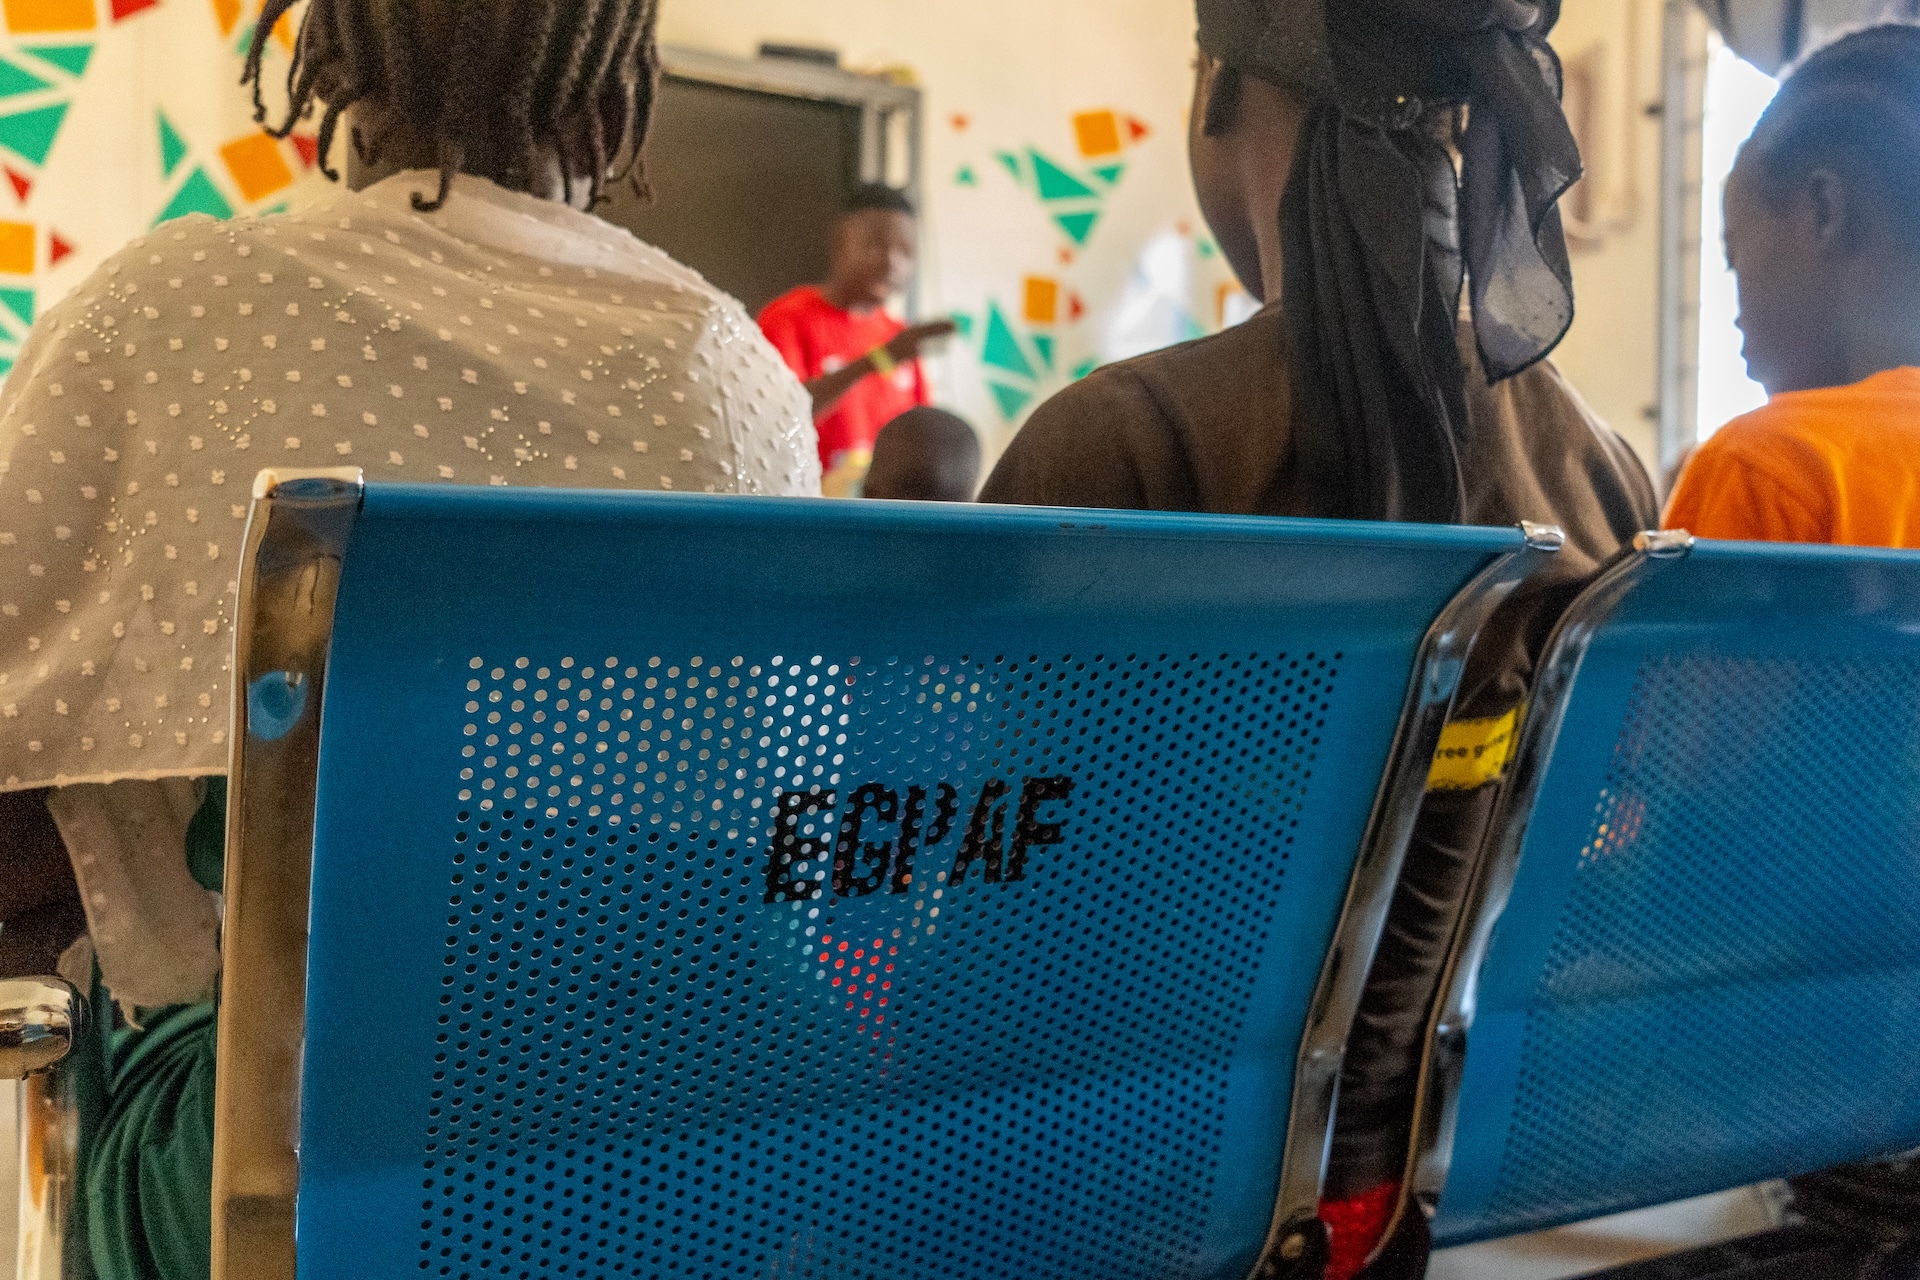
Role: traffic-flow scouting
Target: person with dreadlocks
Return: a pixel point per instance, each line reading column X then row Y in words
column 458, row 315
column 1823, row 234
column 1329, row 161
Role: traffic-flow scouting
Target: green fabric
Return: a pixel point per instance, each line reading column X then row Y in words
column 149, row 1178
column 207, row 838
column 146, row 1203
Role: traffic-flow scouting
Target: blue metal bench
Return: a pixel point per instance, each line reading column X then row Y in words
column 695, row 887
column 1692, row 958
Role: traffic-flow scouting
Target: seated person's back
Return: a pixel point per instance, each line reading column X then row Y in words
column 1354, row 395
column 1823, row 233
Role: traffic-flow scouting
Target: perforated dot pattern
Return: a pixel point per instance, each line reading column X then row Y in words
column 1733, row 989
column 703, row 1014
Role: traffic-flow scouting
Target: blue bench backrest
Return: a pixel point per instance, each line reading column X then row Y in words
column 1708, row 971
column 743, row 887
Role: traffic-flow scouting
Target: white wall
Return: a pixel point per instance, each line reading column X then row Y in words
column 1004, row 76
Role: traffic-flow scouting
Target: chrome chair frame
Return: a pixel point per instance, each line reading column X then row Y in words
column 296, row 543
column 1436, row 1108
column 40, row 1020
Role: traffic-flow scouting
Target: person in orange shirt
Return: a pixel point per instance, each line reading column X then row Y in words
column 1823, row 233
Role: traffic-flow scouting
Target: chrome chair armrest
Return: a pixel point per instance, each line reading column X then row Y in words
column 40, row 1018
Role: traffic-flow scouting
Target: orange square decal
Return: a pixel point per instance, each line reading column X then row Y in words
column 257, row 166
column 17, row 244
column 32, row 17
column 1098, row 133
column 1043, row 300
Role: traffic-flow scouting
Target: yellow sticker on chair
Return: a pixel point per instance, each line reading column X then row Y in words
column 1473, row 753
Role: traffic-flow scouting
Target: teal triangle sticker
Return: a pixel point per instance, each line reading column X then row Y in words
column 6, row 366
column 1012, row 400
column 1085, row 367
column 1110, row 173
column 70, row 58
column 16, row 80
column 31, row 133
column 273, row 210
column 18, row 301
column 1056, row 183
column 967, row 177
column 244, row 45
column 1002, row 349
column 196, row 195
column 1012, row 163
column 1079, row 226
column 963, row 325
column 1043, row 343
column 1207, row 248
column 173, row 148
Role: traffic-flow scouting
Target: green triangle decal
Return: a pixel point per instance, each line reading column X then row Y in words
column 70, row 58
column 1078, row 225
column 18, row 301
column 966, row 177
column 6, row 366
column 1110, row 173
column 1002, row 349
column 196, row 195
column 31, row 133
column 1012, row 400
column 1207, row 248
column 1085, row 367
column 15, row 80
column 963, row 325
column 1012, row 163
column 244, row 45
column 1043, row 343
column 173, row 148
column 1056, row 183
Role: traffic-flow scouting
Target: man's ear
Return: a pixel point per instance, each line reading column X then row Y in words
column 1833, row 215
column 1220, row 91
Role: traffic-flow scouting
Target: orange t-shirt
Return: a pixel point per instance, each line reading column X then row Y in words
column 1836, row 465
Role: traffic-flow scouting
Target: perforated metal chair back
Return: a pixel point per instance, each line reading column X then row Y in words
column 713, row 887
column 1707, row 972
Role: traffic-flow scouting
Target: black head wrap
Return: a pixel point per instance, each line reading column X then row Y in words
column 1376, row 226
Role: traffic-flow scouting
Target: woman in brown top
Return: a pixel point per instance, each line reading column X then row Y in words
column 1323, row 151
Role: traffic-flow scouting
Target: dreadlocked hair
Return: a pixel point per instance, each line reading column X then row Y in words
column 543, row 77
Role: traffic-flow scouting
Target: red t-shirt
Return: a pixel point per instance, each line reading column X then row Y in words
column 817, row 338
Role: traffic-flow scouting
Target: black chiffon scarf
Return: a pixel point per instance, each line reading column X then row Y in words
column 1380, row 233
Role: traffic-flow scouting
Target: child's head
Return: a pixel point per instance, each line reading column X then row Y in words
column 1823, row 214
column 925, row 455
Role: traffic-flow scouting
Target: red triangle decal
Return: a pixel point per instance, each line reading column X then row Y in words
column 58, row 248
column 124, row 9
column 308, row 147
column 22, row 184
column 1136, row 130
column 1076, row 308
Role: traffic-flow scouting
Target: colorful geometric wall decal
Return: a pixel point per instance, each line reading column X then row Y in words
column 35, row 17
column 1110, row 173
column 966, row 177
column 1054, row 182
column 22, row 184
column 196, row 195
column 31, row 133
column 1042, row 300
column 962, row 325
column 1078, row 226
column 17, row 248
column 1010, row 399
column 959, row 121
column 257, row 165
column 1106, row 133
column 1002, row 350
column 173, row 147
column 1012, row 164
column 1085, row 367
column 16, row 80
column 226, row 12
column 124, row 9
column 308, row 145
column 59, row 248
column 19, row 302
column 1043, row 344
column 70, row 58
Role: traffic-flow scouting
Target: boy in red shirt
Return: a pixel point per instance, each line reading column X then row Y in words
column 860, row 364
